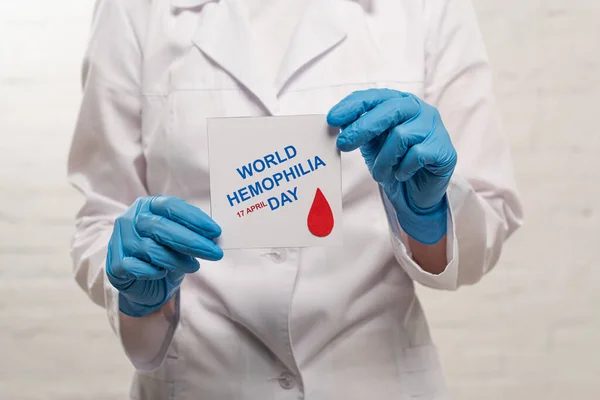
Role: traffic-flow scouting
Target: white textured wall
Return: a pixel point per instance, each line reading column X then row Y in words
column 531, row 330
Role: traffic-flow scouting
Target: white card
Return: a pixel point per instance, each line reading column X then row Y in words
column 265, row 174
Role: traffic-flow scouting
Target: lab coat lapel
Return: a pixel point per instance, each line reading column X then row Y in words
column 319, row 31
column 223, row 35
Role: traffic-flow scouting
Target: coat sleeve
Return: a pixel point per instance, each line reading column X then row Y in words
column 107, row 165
column 485, row 208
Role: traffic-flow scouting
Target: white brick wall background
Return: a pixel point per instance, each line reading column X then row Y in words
column 530, row 330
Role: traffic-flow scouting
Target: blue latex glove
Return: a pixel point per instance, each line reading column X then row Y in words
column 152, row 247
column 407, row 150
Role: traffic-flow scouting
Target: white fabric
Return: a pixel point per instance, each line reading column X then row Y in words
column 272, row 23
column 345, row 323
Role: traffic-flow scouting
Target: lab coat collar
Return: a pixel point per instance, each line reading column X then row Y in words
column 223, row 36
column 319, row 31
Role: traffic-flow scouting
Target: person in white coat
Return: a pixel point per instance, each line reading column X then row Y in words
column 428, row 192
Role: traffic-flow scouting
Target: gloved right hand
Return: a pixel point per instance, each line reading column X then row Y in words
column 152, row 247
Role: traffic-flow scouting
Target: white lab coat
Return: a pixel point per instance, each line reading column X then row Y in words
column 320, row 324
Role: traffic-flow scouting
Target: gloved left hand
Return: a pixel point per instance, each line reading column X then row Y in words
column 407, row 150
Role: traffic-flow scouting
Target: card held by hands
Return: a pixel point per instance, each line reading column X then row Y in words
column 275, row 181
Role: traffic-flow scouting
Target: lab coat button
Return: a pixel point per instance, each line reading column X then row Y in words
column 286, row 380
column 278, row 256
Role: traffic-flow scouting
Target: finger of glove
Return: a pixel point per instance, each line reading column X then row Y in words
column 377, row 121
column 175, row 277
column 183, row 213
column 416, row 157
column 397, row 143
column 357, row 103
column 370, row 150
column 160, row 256
column 115, row 254
column 115, row 244
column 177, row 237
column 131, row 269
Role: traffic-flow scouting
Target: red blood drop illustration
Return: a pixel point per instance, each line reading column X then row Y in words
column 320, row 216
